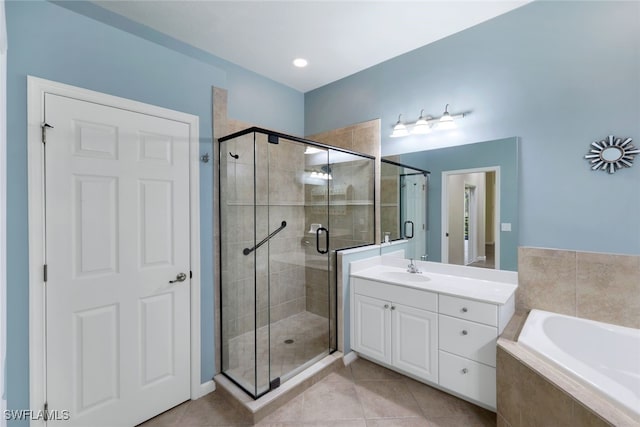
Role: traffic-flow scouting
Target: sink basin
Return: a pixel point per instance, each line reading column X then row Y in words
column 403, row 276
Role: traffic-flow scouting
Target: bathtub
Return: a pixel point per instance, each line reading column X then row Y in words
column 602, row 356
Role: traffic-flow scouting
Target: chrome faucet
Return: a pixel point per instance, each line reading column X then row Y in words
column 412, row 268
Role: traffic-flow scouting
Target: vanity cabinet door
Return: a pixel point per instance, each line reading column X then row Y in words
column 415, row 341
column 372, row 327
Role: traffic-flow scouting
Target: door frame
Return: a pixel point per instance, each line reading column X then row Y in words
column 444, row 211
column 472, row 225
column 36, row 89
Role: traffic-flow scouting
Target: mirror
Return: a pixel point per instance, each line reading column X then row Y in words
column 403, row 207
column 472, row 201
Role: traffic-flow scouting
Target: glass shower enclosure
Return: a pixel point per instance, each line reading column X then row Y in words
column 404, row 206
column 286, row 205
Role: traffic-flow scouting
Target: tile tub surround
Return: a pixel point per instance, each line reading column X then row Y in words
column 530, row 392
column 596, row 286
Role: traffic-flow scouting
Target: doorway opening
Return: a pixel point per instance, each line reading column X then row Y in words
column 470, row 217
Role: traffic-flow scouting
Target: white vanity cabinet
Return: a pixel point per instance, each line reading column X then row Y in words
column 427, row 333
column 467, row 341
column 397, row 326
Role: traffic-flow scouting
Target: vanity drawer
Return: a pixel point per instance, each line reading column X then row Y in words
column 463, row 308
column 424, row 300
column 468, row 378
column 468, row 339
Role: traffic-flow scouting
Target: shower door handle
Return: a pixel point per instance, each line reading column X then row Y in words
column 405, row 229
column 318, row 231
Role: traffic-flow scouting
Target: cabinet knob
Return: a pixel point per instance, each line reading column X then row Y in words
column 393, row 307
column 464, row 371
column 464, row 309
column 464, row 332
column 386, row 306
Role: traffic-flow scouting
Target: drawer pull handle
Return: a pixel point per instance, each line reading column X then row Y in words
column 464, row 371
column 464, row 309
column 386, row 306
column 464, row 332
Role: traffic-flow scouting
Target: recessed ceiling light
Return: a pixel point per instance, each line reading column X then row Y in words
column 300, row 62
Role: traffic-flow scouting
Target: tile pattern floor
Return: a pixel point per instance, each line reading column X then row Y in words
column 362, row 394
column 309, row 336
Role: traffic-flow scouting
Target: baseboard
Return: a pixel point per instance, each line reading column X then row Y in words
column 204, row 389
column 349, row 358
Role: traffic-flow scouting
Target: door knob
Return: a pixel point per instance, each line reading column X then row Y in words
column 179, row 278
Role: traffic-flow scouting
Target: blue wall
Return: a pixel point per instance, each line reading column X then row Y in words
column 559, row 75
column 52, row 42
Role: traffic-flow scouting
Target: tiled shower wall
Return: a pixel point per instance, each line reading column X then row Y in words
column 596, row 286
column 390, row 201
column 352, row 222
column 283, row 200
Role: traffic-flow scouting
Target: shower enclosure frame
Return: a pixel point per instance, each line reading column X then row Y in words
column 402, row 229
column 273, row 137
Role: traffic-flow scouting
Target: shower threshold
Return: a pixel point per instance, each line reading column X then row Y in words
column 257, row 409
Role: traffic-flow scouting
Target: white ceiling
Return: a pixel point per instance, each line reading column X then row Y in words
column 338, row 38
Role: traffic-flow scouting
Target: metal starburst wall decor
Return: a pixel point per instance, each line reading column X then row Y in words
column 612, row 154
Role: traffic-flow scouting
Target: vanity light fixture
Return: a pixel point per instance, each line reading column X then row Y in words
column 446, row 121
column 425, row 124
column 399, row 129
column 324, row 173
column 422, row 125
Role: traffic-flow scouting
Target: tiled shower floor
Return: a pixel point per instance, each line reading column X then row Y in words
column 295, row 340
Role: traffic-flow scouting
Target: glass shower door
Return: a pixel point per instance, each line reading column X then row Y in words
column 298, row 264
column 237, row 270
column 413, row 214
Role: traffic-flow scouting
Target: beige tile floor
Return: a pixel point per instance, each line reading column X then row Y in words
column 360, row 395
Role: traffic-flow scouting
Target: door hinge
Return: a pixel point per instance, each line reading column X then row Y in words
column 44, row 131
column 45, row 412
column 45, row 271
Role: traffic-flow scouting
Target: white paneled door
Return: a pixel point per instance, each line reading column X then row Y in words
column 117, row 254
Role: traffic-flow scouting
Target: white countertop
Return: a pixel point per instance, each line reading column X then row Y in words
column 491, row 286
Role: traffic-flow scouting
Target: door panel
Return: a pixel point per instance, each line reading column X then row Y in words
column 415, row 342
column 97, row 358
column 372, row 327
column 95, row 216
column 117, row 232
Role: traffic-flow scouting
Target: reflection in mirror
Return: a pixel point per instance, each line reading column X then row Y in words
column 403, row 208
column 497, row 191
